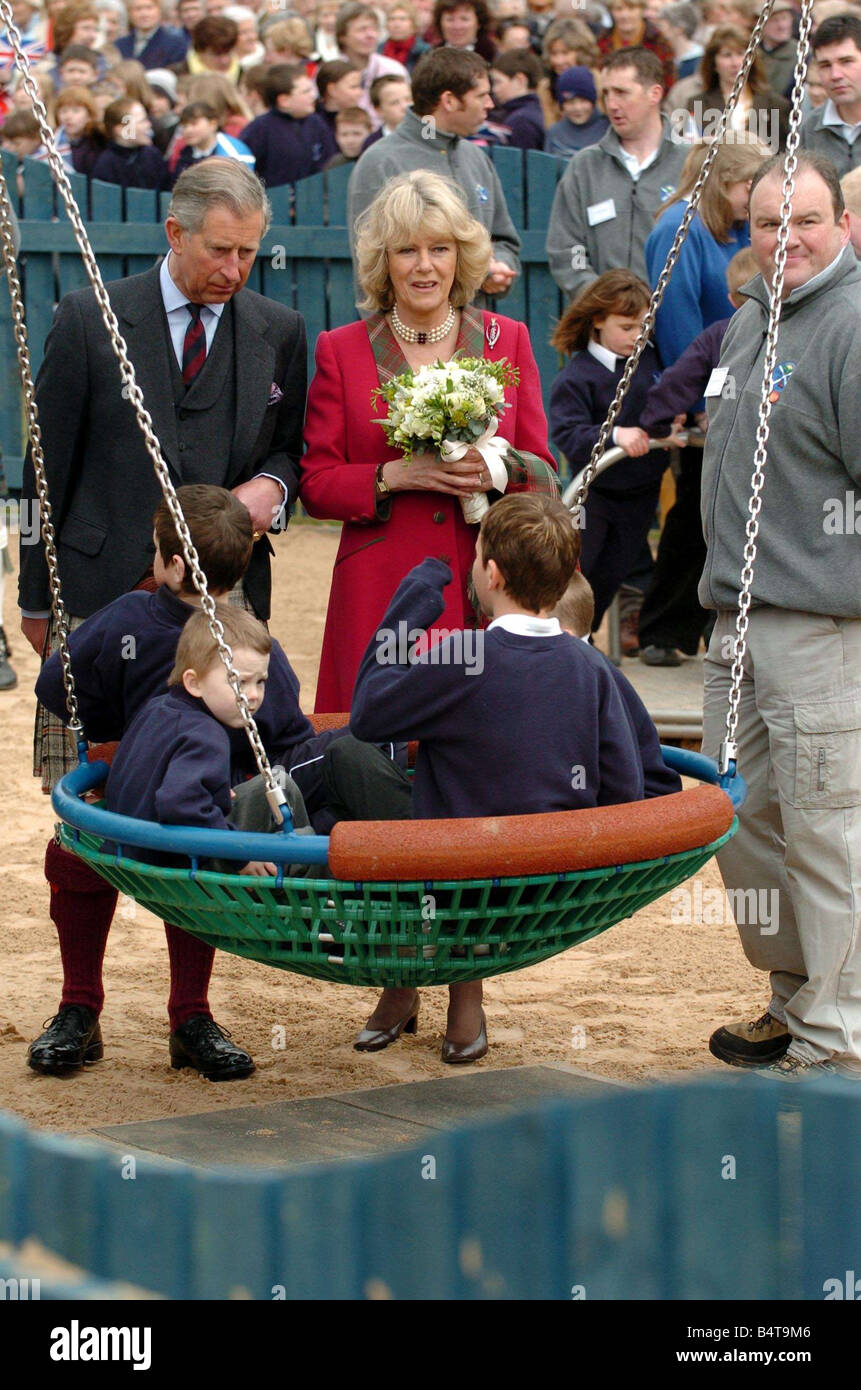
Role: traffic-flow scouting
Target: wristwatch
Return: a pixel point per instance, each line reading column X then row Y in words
column 380, row 485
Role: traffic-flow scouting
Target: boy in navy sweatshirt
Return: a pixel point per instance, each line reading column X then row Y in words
column 290, row 141
column 520, row 718
column 515, row 77
column 575, row 611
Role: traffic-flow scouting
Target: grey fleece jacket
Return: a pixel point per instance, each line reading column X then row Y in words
column 417, row 145
column 827, row 140
column 578, row 253
column 808, row 558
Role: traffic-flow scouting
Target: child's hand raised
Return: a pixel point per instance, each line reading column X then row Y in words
column 257, row 869
column 633, row 440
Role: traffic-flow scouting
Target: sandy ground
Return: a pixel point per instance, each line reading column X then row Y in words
column 638, row 1002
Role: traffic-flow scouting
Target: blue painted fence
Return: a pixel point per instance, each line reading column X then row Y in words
column 729, row 1188
column 304, row 261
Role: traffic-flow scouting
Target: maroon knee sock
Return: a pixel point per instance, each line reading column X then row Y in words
column 190, row 969
column 82, row 909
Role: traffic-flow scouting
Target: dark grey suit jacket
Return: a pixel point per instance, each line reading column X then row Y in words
column 102, row 484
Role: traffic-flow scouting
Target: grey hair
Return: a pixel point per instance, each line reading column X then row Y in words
column 682, row 16
column 218, row 182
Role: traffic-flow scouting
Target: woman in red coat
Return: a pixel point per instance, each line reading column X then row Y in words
column 421, row 258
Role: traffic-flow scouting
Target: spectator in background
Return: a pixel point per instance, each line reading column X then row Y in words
column 339, row 87
column 512, row 35
column 568, row 43
column 289, row 41
column 452, row 86
column 199, row 126
column 249, row 49
column 607, row 198
column 464, row 24
column 325, row 43
column 632, row 30
column 76, row 23
column 232, row 111
column 760, row 110
column 133, row 77
column 404, row 43
column 78, row 117
column 213, row 49
column 833, row 129
column 113, row 19
column 21, row 136
column 814, row 89
column 251, row 87
column 352, row 128
column 130, row 158
column 678, row 24
column 779, row 46
column 671, row 618
column 540, row 14
column 290, row 142
column 515, row 77
column 149, row 40
column 162, row 107
column 189, row 13
column 357, row 30
column 46, row 90
column 390, row 96
column 109, row 89
column 78, row 67
column 582, row 123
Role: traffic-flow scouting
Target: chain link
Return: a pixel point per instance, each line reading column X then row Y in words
column 729, row 748
column 604, row 436
column 133, row 393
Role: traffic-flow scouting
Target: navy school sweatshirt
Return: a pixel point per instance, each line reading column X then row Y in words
column 681, row 386
column 122, row 657
column 491, row 738
column 138, row 166
column 524, row 120
column 579, row 400
column 658, row 779
column 286, row 149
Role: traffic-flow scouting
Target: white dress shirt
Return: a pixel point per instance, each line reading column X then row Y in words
column 527, row 625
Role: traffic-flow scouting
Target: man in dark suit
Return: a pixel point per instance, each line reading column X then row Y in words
column 223, row 374
column 150, row 41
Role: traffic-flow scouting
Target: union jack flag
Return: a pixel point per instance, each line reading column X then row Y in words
column 35, row 48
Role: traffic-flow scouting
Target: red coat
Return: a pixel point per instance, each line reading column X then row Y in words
column 344, row 449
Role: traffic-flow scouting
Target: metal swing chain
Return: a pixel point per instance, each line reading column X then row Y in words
column 632, row 363
column 35, row 433
column 729, row 747
column 275, row 794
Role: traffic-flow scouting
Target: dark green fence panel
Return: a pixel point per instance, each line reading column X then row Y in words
column 828, row 1136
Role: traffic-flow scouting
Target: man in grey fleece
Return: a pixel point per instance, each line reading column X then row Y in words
column 451, row 97
column 834, row 128
column 605, row 202
column 794, row 868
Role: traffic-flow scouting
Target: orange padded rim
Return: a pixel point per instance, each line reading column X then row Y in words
column 516, row 846
column 322, row 722
column 102, row 752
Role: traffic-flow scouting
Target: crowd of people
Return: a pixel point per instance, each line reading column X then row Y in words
column 221, row 104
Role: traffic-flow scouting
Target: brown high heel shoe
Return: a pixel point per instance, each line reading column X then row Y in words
column 467, row 1052
column 375, row 1039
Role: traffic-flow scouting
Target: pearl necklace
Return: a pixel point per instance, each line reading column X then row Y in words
column 414, row 335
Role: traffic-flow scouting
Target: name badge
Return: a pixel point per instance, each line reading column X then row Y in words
column 716, row 381
column 601, row 212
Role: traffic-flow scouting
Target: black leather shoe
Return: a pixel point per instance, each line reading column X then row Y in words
column 72, row 1039
column 467, row 1052
column 201, row 1044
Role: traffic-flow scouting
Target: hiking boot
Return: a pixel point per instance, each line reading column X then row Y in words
column 8, row 679
column 751, row 1044
column 791, row 1068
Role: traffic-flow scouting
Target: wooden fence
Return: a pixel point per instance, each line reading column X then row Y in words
column 304, row 261
column 725, row 1188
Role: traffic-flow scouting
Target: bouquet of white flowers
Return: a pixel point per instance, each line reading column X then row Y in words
column 449, row 407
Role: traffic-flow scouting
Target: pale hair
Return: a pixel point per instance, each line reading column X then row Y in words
column 289, row 33
column 408, row 205
column 739, row 157
column 217, row 182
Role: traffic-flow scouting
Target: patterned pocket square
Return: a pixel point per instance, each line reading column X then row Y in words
column 275, row 393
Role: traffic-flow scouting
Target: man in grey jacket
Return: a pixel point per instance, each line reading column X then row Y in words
column 606, row 200
column 793, row 870
column 833, row 129
column 451, row 98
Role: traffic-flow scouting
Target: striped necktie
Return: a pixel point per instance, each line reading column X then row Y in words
column 194, row 346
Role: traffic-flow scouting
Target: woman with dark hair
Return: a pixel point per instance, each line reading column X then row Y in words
column 464, row 24
column 758, row 102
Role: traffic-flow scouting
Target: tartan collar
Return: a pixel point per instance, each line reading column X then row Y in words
column 387, row 351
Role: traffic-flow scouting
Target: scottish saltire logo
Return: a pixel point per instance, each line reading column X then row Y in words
column 667, row 190
column 779, row 378
column 481, row 193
